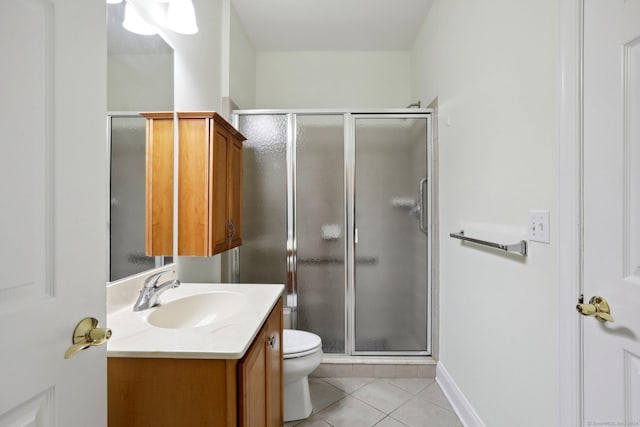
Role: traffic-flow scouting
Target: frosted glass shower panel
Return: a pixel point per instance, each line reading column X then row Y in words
column 127, row 214
column 320, row 228
column 264, row 214
column 391, row 250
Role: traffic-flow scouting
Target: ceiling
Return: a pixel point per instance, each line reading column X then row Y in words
column 332, row 24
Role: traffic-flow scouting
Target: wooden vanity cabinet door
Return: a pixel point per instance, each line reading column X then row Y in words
column 253, row 390
column 159, row 184
column 275, row 385
column 260, row 377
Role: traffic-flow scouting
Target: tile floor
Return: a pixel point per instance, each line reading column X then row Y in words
column 380, row 402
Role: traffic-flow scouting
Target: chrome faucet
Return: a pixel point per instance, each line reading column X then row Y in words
column 151, row 291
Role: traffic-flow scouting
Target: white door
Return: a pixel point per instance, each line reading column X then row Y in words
column 612, row 210
column 52, row 210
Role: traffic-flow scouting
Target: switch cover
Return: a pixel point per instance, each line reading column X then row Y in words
column 539, row 226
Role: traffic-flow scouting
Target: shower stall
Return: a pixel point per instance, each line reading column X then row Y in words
column 336, row 207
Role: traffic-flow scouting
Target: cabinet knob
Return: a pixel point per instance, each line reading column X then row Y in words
column 272, row 341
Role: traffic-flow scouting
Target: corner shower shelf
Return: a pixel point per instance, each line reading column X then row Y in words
column 519, row 248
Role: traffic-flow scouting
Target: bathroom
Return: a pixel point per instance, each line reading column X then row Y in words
column 294, row 80
column 495, row 163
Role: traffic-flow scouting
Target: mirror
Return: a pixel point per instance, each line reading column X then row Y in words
column 140, row 78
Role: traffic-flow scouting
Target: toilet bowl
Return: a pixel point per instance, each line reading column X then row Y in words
column 302, row 353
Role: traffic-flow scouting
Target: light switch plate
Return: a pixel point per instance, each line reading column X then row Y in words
column 539, row 226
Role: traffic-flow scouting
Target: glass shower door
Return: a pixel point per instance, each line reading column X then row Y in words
column 320, row 229
column 390, row 309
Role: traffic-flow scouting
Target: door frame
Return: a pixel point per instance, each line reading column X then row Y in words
column 570, row 208
column 350, row 245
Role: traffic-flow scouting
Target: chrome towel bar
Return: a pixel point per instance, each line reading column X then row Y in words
column 519, row 248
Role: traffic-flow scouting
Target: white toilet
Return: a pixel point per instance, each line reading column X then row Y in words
column 302, row 353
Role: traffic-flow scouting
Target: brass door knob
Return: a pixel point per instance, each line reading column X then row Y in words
column 87, row 334
column 597, row 307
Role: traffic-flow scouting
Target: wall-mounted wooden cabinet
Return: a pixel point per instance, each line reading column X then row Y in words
column 209, row 184
column 159, row 184
column 201, row 392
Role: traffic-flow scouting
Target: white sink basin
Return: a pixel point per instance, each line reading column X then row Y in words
column 197, row 310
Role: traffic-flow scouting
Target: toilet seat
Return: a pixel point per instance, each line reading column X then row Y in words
column 299, row 343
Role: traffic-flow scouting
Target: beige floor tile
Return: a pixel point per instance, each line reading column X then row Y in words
column 351, row 412
column 435, row 395
column 313, row 421
column 323, row 394
column 390, row 422
column 418, row 413
column 348, row 384
column 382, row 395
column 367, row 402
column 412, row 385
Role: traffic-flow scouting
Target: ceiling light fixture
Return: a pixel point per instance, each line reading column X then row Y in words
column 135, row 23
column 181, row 17
column 114, row 1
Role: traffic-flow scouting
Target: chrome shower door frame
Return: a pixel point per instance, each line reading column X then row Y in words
column 350, row 241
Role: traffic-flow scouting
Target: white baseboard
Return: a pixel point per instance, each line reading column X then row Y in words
column 458, row 401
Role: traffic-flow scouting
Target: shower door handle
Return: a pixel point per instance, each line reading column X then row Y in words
column 421, row 207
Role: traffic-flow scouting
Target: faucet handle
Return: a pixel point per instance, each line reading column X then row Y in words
column 152, row 280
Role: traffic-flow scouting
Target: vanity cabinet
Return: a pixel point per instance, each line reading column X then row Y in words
column 209, row 184
column 260, row 377
column 163, row 392
column 159, row 184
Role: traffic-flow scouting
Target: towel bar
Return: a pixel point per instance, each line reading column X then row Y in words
column 519, row 248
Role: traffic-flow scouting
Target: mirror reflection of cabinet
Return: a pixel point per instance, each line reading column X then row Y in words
column 209, row 183
column 159, row 184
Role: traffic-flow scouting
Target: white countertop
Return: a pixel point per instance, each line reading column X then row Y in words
column 228, row 338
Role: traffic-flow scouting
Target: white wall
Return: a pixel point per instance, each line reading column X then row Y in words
column 375, row 79
column 492, row 66
column 140, row 82
column 242, row 65
column 198, row 60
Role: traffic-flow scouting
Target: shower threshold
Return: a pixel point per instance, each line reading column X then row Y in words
column 405, row 360
column 333, row 366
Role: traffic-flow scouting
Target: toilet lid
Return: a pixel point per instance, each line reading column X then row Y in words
column 294, row 342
